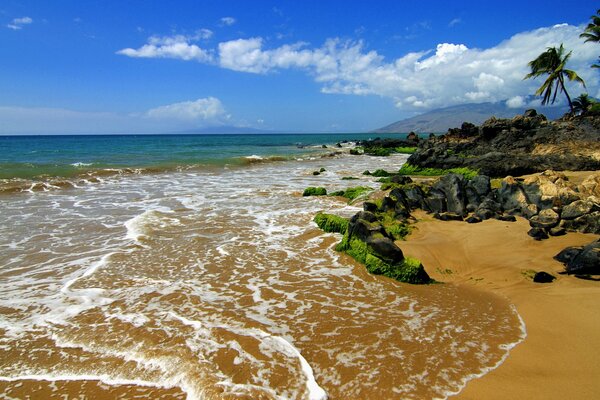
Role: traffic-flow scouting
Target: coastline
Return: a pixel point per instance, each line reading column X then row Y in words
column 556, row 359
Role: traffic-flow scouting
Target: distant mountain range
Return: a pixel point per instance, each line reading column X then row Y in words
column 441, row 119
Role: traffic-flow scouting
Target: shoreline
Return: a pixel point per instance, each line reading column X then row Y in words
column 557, row 358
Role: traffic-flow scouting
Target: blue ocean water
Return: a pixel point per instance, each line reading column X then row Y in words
column 31, row 157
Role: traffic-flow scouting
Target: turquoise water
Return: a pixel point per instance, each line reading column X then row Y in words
column 30, row 157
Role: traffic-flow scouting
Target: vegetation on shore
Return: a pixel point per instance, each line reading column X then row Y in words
column 331, row 223
column 409, row 169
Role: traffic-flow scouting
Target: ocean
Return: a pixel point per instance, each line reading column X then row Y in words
column 188, row 267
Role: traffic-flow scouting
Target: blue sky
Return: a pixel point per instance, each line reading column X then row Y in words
column 158, row 66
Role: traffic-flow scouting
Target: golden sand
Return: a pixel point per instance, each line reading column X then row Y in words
column 560, row 358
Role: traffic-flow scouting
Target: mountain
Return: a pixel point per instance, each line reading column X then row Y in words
column 441, row 119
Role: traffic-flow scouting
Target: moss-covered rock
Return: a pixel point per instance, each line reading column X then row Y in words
column 314, row 191
column 352, row 193
column 331, row 223
column 370, row 244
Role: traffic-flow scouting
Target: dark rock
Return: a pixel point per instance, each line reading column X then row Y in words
column 578, row 208
column 545, row 219
column 388, row 203
column 401, row 197
column 448, row 216
column 473, row 219
column 385, row 249
column 369, row 206
column 484, row 213
column 401, row 179
column 557, row 231
column 435, row 201
column 453, row 188
column 506, row 218
column 530, row 113
column 543, row 277
column 481, row 185
column 588, row 223
column 412, row 137
column 415, row 196
column 538, row 234
column 367, row 216
column 568, row 254
column 581, row 260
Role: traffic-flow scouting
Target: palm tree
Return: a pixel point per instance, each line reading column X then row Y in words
column 591, row 33
column 582, row 104
column 552, row 63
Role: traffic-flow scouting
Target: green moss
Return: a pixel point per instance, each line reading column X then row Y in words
column 381, row 173
column 349, row 178
column 378, row 151
column 316, row 173
column 397, row 229
column 405, row 150
column 409, row 169
column 367, row 173
column 354, row 192
column 314, row 191
column 410, row 270
column 356, row 152
column 331, row 223
column 322, row 169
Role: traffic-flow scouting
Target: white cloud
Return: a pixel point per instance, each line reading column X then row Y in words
column 516, row 102
column 208, row 109
column 18, row 23
column 454, row 22
column 177, row 47
column 228, row 21
column 453, row 74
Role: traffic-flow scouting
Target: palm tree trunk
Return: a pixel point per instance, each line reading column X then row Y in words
column 564, row 89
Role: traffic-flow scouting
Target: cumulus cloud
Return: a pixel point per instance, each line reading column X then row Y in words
column 451, row 74
column 208, row 109
column 18, row 23
column 178, row 47
column 228, row 21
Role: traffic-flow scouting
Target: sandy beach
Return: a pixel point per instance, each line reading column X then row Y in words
column 559, row 358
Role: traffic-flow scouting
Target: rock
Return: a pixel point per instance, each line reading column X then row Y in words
column 588, row 223
column 473, row 219
column 511, row 194
column 412, row 137
column 385, row 249
column 484, row 213
column 550, row 188
column 435, row 201
column 401, row 179
column 590, row 186
column 578, row 208
column 530, row 113
column 584, row 260
column 453, row 188
column 506, row 218
column 415, row 196
column 538, row 233
column 543, row 277
column 568, row 254
column 388, row 203
column 481, row 185
column 546, row 219
column 557, row 231
column 369, row 206
column 448, row 216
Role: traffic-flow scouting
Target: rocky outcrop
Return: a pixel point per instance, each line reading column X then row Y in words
column 522, row 145
column 367, row 241
column 581, row 260
column 551, row 203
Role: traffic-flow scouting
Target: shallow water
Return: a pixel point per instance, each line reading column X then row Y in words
column 215, row 284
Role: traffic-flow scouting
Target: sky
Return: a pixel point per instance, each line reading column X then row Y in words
column 149, row 66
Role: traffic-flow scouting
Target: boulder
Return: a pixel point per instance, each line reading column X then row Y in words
column 511, row 194
column 550, row 188
column 538, row 233
column 386, row 249
column 587, row 223
column 485, row 213
column 545, row 219
column 473, row 219
column 448, row 216
column 543, row 277
column 401, row 179
column 584, row 260
column 557, row 231
column 506, row 218
column 590, row 186
column 435, row 201
column 415, row 196
column 578, row 208
column 453, row 188
column 370, row 206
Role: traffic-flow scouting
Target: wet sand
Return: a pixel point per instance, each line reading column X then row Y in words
column 560, row 358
